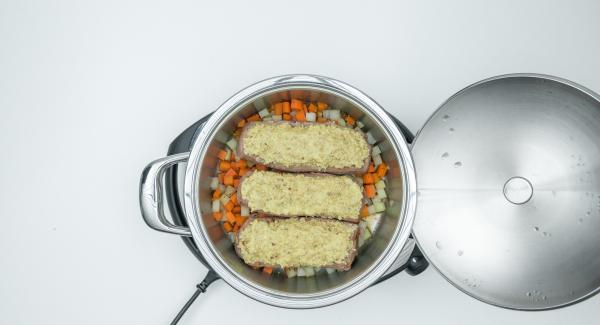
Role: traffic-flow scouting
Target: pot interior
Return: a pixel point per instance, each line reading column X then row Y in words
column 369, row 254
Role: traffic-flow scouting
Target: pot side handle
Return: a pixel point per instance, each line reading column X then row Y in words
column 151, row 195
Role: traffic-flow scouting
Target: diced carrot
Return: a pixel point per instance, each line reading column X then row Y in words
column 371, row 168
column 301, row 116
column 228, row 227
column 228, row 180
column 229, row 206
column 261, row 167
column 278, row 109
column 296, row 104
column 321, row 119
column 253, row 118
column 267, row 270
column 364, row 211
column 236, row 227
column 231, row 173
column 321, row 106
column 224, row 165
column 242, row 163
column 241, row 123
column 376, row 178
column 286, row 107
column 217, row 216
column 287, row 117
column 216, row 194
column 240, row 220
column 368, row 178
column 305, row 108
column 237, row 133
column 370, row 191
column 234, row 198
column 242, row 171
column 236, row 182
column 230, row 217
column 222, row 154
column 382, row 170
column 237, row 209
column 220, row 177
column 350, row 120
column 312, row 108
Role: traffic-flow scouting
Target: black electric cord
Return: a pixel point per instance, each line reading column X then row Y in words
column 210, row 277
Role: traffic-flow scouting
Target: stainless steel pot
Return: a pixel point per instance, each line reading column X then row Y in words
column 373, row 261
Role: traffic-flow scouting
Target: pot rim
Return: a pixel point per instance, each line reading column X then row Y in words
column 274, row 297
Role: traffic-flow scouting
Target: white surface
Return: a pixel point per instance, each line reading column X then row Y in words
column 91, row 92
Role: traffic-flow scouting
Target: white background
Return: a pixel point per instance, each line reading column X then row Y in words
column 92, row 91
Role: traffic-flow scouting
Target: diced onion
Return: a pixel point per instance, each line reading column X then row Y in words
column 370, row 139
column 228, row 154
column 311, row 117
column 290, row 273
column 232, row 143
column 381, row 194
column 380, row 185
column 375, row 150
column 332, row 114
column 245, row 211
column 214, row 183
column 309, row 271
column 341, row 122
column 276, row 117
column 377, row 160
column 301, row 272
column 359, row 124
column 379, row 206
column 229, row 190
column 224, row 199
column 329, row 270
column 373, row 221
column 264, row 113
column 216, row 206
column 371, row 209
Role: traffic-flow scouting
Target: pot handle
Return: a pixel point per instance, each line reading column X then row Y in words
column 151, row 195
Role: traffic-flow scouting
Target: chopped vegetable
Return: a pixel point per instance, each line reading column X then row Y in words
column 228, row 180
column 287, row 117
column 382, row 169
column 364, row 211
column 228, row 227
column 216, row 194
column 216, row 206
column 311, row 117
column 321, row 106
column 267, row 270
column 380, row 185
column 241, row 123
column 253, row 118
column 370, row 139
column 375, row 150
column 278, row 109
column 214, row 183
column 373, row 221
column 368, row 179
column 301, row 116
column 232, row 143
column 230, row 217
column 377, row 160
column 370, row 191
column 379, row 206
column 245, row 211
column 312, row 108
column 286, row 107
column 330, row 270
column 350, row 120
column 224, row 165
column 371, row 168
column 263, row 113
column 229, row 206
column 290, row 272
column 217, row 215
column 222, row 155
column 296, row 105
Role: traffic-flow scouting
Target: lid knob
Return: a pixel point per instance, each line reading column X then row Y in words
column 518, row 190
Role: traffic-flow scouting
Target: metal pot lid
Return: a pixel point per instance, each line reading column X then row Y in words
column 508, row 174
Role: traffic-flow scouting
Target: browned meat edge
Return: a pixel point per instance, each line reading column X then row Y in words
column 243, row 201
column 240, row 153
column 343, row 267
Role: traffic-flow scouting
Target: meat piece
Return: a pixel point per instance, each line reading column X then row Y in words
column 305, row 147
column 290, row 195
column 297, row 242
